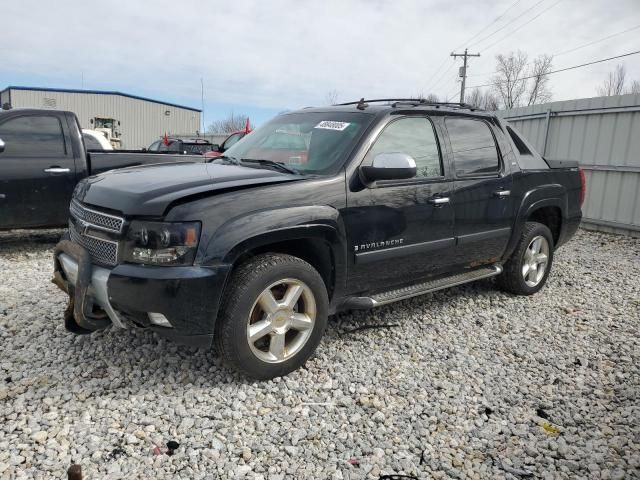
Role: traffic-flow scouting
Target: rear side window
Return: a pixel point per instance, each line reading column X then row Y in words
column 473, row 146
column 33, row 135
column 174, row 146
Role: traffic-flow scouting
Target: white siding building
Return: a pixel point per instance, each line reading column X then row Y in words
column 138, row 121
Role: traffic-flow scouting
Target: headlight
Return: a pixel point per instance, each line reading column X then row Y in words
column 161, row 243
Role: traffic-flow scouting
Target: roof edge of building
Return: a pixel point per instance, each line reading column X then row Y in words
column 98, row 92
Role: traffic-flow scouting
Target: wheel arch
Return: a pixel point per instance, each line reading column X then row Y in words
column 547, row 205
column 314, row 234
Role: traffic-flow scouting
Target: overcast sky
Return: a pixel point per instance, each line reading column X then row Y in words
column 262, row 57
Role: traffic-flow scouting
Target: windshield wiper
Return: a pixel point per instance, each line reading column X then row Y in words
column 270, row 163
column 232, row 160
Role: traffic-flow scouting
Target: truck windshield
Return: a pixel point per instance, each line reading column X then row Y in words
column 309, row 142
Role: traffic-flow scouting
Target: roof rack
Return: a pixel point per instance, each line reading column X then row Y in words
column 412, row 102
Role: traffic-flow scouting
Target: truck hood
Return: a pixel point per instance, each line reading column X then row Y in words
column 150, row 189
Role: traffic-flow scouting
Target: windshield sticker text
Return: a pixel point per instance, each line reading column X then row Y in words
column 330, row 125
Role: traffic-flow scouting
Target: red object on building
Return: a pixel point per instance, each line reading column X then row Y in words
column 165, row 139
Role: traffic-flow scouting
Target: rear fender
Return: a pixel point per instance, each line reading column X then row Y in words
column 553, row 195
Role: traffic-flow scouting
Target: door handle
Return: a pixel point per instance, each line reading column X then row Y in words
column 502, row 193
column 439, row 201
column 57, row 170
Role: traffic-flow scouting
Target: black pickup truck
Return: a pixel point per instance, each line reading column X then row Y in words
column 42, row 157
column 320, row 210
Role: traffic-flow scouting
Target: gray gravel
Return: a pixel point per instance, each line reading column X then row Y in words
column 474, row 383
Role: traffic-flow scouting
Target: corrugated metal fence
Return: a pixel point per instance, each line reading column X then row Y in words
column 603, row 135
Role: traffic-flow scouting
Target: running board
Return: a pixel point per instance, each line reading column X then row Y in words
column 421, row 288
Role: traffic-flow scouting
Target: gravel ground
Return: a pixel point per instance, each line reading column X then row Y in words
column 472, row 383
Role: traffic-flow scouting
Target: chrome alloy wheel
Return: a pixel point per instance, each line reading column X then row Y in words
column 281, row 320
column 536, row 259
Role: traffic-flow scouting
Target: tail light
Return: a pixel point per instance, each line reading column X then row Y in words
column 583, row 186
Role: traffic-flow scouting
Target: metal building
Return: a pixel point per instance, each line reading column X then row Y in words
column 136, row 121
column 603, row 135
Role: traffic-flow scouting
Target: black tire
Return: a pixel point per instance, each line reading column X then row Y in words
column 512, row 279
column 247, row 283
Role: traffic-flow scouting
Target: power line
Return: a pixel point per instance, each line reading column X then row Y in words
column 450, row 81
column 570, row 50
column 485, row 28
column 441, row 77
column 437, row 70
column 596, row 41
column 564, row 69
column 451, row 97
column 524, row 24
column 507, row 24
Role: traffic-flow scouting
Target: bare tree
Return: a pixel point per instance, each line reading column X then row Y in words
column 635, row 87
column 491, row 101
column 538, row 88
column 614, row 83
column 331, row 98
column 232, row 123
column 520, row 83
column 486, row 100
column 475, row 98
column 431, row 98
column 507, row 83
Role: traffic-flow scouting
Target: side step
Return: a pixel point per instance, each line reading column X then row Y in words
column 421, row 288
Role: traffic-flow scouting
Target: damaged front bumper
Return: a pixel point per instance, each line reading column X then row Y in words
column 86, row 287
column 180, row 303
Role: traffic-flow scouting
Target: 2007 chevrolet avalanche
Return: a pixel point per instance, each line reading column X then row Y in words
column 319, row 210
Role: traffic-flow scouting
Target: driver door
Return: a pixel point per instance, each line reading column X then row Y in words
column 37, row 171
column 401, row 231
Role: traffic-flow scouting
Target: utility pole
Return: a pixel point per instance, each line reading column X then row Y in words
column 204, row 126
column 463, row 69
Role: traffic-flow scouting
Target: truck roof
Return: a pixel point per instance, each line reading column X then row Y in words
column 34, row 110
column 377, row 106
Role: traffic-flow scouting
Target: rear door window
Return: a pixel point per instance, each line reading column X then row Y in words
column 473, row 146
column 33, row 136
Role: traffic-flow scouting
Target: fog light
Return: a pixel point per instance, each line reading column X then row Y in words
column 159, row 319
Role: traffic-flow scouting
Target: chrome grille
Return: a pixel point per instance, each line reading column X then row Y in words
column 103, row 252
column 99, row 220
column 85, row 227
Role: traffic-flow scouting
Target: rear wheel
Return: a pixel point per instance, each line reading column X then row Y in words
column 527, row 270
column 273, row 316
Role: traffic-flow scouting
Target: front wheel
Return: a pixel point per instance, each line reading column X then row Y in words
column 273, row 316
column 527, row 270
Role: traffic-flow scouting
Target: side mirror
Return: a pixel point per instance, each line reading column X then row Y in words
column 390, row 166
column 1, row 145
column 215, row 147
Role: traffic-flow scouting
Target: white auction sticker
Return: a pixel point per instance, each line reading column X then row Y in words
column 330, row 125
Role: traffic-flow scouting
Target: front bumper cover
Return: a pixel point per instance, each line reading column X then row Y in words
column 123, row 297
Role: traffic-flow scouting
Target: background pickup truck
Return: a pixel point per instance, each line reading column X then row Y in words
column 253, row 250
column 42, row 157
